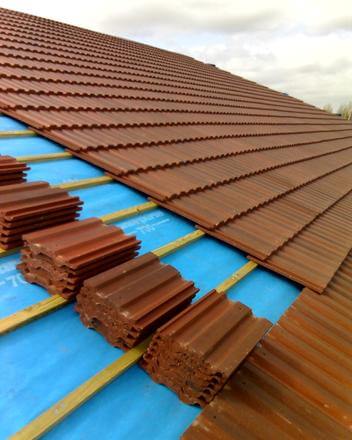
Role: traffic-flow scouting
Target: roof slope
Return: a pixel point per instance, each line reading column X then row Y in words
column 71, row 353
column 220, row 150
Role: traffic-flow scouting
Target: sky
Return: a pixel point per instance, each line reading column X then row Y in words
column 302, row 47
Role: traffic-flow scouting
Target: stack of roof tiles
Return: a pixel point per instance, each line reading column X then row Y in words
column 12, row 171
column 195, row 353
column 297, row 382
column 127, row 303
column 223, row 151
column 29, row 206
column 62, row 257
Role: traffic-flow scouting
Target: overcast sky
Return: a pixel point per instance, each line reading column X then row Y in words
column 301, row 47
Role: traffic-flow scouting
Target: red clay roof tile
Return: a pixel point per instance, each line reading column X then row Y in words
column 29, row 206
column 221, row 150
column 12, row 171
column 127, row 303
column 62, row 257
column 195, row 353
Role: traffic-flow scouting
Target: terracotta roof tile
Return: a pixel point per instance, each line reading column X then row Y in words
column 62, row 257
column 223, row 151
column 313, row 256
column 127, row 303
column 263, row 231
column 29, row 206
column 12, row 171
column 196, row 352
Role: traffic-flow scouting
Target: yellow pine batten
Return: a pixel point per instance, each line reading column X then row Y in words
column 167, row 249
column 17, row 133
column 84, row 183
column 31, row 313
column 128, row 212
column 236, row 277
column 5, row 253
column 44, row 157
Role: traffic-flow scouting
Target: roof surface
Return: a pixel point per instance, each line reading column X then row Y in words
column 50, row 357
column 262, row 171
column 227, row 153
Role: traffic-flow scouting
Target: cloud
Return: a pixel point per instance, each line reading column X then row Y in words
column 221, row 17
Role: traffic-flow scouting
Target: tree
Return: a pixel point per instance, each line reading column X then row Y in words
column 345, row 110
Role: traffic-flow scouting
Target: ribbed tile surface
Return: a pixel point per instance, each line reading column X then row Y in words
column 269, row 227
column 12, row 171
column 196, row 352
column 30, row 206
column 62, row 257
column 220, row 150
column 313, row 256
column 127, row 303
column 297, row 383
column 212, row 207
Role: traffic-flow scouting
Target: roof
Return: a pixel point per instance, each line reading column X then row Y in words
column 222, row 151
column 218, row 149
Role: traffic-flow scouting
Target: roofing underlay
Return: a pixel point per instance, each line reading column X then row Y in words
column 227, row 153
column 238, row 159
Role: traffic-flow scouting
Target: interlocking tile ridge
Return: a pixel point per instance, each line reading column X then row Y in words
column 244, row 211
column 267, row 229
column 195, row 189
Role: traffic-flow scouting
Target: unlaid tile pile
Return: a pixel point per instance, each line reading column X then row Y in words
column 196, row 352
column 61, row 258
column 30, row 206
column 126, row 303
column 12, row 171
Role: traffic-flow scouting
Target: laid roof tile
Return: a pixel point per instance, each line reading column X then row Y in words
column 263, row 231
column 313, row 256
column 221, row 150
